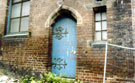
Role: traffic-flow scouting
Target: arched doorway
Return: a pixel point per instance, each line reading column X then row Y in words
column 64, row 45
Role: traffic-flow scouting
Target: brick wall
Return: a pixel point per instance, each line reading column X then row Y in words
column 133, row 24
column 32, row 53
column 3, row 8
column 120, row 32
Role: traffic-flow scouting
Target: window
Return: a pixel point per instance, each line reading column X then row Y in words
column 18, row 18
column 100, row 26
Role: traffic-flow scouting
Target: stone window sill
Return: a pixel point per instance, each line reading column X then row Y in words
column 98, row 44
column 17, row 36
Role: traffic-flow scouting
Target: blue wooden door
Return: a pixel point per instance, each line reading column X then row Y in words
column 64, row 47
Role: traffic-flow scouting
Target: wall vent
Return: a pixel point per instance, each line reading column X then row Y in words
column 99, row 1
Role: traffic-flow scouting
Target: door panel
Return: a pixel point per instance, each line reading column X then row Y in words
column 64, row 47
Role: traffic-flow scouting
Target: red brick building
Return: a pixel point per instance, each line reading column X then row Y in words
column 26, row 33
